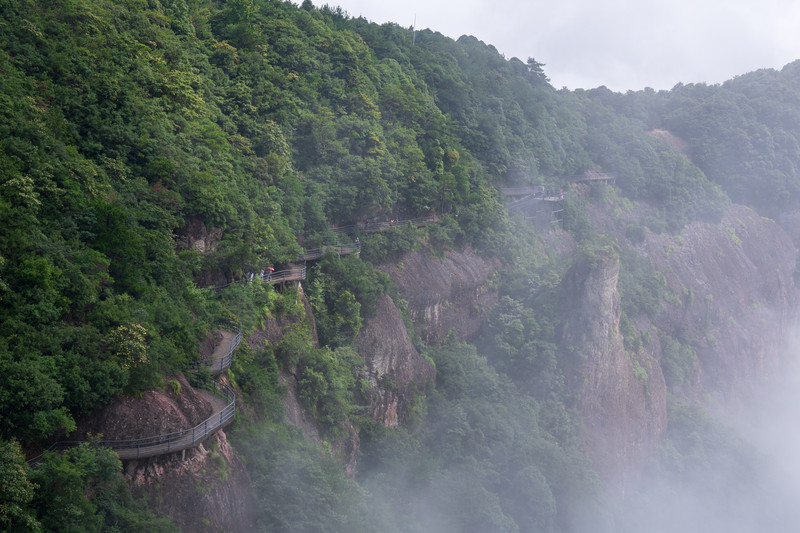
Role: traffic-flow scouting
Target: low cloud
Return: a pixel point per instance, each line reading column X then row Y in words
column 622, row 44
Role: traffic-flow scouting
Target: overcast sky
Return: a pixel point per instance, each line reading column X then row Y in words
column 622, row 44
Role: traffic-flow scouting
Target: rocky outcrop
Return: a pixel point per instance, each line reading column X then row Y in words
column 196, row 236
column 156, row 411
column 443, row 295
column 731, row 298
column 622, row 397
column 203, row 489
column 207, row 489
column 394, row 368
column 446, row 294
column 737, row 295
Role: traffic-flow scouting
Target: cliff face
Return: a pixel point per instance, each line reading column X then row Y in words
column 733, row 300
column 271, row 334
column 395, row 370
column 444, row 295
column 204, row 489
column 622, row 397
column 738, row 298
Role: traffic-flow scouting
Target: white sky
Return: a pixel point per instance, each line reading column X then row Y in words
column 622, row 44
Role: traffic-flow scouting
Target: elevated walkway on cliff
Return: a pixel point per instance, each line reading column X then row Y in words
column 340, row 249
column 376, row 226
column 595, row 176
column 295, row 273
column 537, row 203
column 220, row 395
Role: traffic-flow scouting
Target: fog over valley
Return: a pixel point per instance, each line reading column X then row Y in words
column 271, row 266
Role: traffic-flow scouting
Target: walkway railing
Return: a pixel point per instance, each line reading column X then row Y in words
column 341, row 249
column 538, row 191
column 217, row 365
column 292, row 274
column 369, row 227
column 167, row 442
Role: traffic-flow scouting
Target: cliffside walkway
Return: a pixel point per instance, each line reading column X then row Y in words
column 291, row 274
column 594, row 175
column 222, row 357
column 297, row 273
column 341, row 249
column 224, row 400
column 372, row 227
column 531, row 193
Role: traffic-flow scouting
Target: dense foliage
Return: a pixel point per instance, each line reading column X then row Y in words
column 130, row 131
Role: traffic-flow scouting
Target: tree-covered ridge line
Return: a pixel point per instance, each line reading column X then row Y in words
column 111, row 142
column 125, row 125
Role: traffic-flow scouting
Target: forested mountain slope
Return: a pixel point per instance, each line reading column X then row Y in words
column 150, row 149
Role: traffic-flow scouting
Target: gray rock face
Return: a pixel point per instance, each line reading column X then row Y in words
column 738, row 298
column 444, row 295
column 622, row 397
column 394, row 367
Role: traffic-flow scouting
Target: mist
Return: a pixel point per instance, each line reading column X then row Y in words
column 745, row 476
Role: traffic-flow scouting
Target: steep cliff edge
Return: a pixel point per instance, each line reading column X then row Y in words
column 204, row 489
column 446, row 294
column 395, row 370
column 621, row 396
column 730, row 299
column 738, row 300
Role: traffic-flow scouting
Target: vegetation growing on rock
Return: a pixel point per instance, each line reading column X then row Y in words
column 150, row 149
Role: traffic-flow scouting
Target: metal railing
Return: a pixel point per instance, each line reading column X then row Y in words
column 167, row 442
column 217, row 365
column 369, row 227
column 341, row 249
column 292, row 274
